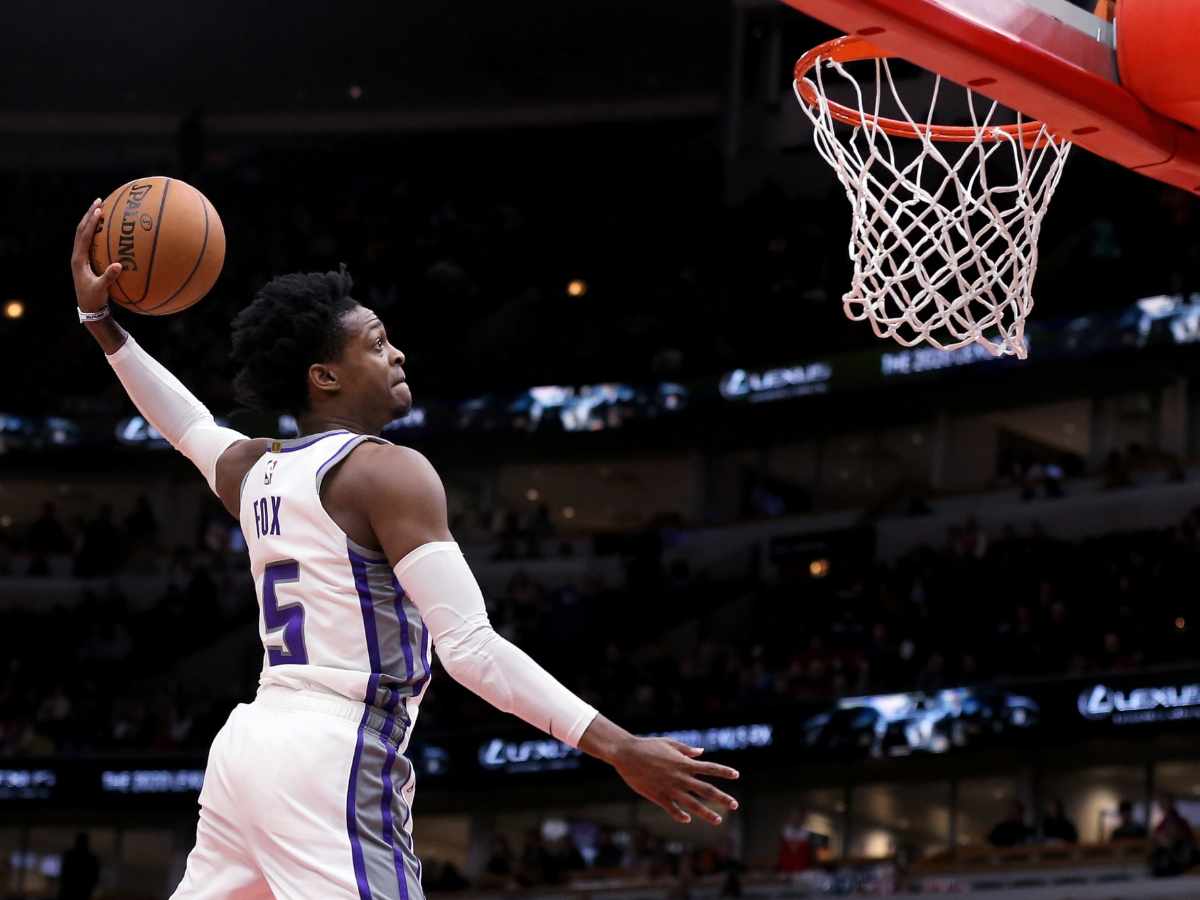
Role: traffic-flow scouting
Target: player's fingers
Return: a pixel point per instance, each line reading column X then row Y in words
column 684, row 748
column 690, row 805
column 711, row 793
column 87, row 217
column 673, row 810
column 713, row 770
column 84, row 233
column 111, row 274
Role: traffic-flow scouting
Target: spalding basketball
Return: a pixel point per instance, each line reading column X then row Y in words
column 168, row 239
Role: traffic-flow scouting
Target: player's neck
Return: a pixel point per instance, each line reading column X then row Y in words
column 316, row 423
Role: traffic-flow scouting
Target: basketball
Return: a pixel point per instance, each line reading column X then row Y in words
column 168, row 239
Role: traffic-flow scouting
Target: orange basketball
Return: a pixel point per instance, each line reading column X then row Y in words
column 168, row 239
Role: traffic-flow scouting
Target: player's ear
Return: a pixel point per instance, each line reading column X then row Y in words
column 323, row 378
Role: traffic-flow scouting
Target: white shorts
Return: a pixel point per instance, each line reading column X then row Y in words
column 306, row 796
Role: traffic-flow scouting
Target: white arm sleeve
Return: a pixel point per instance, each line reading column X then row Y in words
column 439, row 582
column 172, row 409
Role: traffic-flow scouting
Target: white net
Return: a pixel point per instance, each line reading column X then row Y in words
column 943, row 239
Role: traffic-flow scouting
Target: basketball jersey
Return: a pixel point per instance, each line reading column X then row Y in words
column 332, row 616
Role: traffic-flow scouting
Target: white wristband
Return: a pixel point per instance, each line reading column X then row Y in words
column 92, row 316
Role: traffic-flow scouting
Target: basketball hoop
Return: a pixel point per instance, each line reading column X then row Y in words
column 944, row 246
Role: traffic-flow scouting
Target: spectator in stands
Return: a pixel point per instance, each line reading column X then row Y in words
column 531, row 869
column 1011, row 831
column 80, row 871
column 608, row 854
column 797, row 844
column 141, row 524
column 500, row 867
column 101, row 548
column 560, row 855
column 46, row 534
column 1116, row 471
column 1174, row 844
column 1127, row 828
column 1057, row 827
column 438, row 876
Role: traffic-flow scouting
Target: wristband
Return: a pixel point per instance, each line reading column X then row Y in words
column 92, row 316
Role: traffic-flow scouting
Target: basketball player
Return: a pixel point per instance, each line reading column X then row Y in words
column 308, row 793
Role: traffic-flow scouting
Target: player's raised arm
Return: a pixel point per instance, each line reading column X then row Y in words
column 160, row 397
column 406, row 505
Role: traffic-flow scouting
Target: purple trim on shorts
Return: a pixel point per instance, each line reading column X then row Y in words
column 306, row 443
column 356, row 850
column 385, row 803
column 359, row 566
column 398, row 596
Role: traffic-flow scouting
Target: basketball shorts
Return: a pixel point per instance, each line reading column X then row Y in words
column 306, row 796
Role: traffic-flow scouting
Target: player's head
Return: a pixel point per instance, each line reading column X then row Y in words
column 305, row 346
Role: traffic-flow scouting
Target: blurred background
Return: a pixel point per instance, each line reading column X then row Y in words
column 938, row 608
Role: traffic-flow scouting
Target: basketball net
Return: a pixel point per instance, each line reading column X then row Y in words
column 944, row 243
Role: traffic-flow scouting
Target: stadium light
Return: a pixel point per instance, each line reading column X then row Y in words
column 576, row 287
column 14, row 309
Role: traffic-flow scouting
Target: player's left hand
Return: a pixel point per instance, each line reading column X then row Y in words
column 91, row 290
column 667, row 773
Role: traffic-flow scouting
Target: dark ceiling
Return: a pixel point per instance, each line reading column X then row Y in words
column 234, row 56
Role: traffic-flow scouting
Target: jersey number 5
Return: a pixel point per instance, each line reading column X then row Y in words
column 288, row 619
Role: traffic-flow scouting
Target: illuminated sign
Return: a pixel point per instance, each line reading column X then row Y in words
column 27, row 784
column 550, row 755
column 930, row 359
column 1140, row 705
column 152, row 781
column 415, row 418
column 735, row 737
column 528, row 756
column 889, row 725
column 776, row 384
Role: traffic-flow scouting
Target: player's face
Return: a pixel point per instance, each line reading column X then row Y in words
column 371, row 367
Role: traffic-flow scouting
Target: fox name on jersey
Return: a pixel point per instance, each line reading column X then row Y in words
column 266, row 515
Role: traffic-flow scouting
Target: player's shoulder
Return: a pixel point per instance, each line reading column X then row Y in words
column 393, row 470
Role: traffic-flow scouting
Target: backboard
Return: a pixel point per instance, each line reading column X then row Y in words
column 1050, row 59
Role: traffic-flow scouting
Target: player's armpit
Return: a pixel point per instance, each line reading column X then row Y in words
column 232, row 466
column 403, row 497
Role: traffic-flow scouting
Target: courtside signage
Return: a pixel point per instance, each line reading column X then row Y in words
column 776, row 384
column 500, row 755
column 1139, row 706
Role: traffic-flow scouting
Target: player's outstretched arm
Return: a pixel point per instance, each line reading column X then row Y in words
column 160, row 397
column 406, row 505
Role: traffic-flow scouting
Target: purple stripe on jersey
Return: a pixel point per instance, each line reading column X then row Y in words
column 359, row 566
column 385, row 804
column 356, row 850
column 336, row 458
column 308, row 442
column 405, row 641
column 427, row 667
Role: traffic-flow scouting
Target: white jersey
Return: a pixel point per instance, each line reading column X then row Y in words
column 334, row 618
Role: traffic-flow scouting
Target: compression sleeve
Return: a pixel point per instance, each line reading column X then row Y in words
column 439, row 582
column 172, row 409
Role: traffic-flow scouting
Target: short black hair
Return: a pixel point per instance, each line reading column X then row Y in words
column 294, row 321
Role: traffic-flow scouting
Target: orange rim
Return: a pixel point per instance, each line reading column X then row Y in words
column 851, row 48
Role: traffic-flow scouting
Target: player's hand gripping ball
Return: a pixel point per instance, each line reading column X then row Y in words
column 168, row 239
